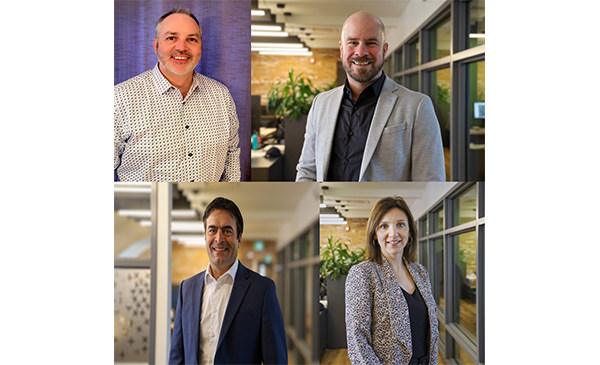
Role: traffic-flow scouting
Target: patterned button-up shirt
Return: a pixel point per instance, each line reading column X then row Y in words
column 160, row 136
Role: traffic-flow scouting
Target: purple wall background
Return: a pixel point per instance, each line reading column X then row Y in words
column 225, row 49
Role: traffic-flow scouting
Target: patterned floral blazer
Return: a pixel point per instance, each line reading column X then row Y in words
column 377, row 321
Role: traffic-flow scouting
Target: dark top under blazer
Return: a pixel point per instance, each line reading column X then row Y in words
column 252, row 330
column 377, row 319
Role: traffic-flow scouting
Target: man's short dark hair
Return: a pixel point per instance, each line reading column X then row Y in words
column 180, row 10
column 225, row 204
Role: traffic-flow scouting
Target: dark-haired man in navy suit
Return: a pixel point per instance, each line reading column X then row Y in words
column 227, row 314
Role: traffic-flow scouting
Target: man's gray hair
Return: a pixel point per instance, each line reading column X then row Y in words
column 180, row 10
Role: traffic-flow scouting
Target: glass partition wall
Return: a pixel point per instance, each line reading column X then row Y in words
column 452, row 249
column 445, row 59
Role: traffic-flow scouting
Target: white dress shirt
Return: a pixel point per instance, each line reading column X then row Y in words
column 214, row 304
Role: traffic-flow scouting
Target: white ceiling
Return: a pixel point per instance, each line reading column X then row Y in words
column 355, row 200
column 266, row 207
column 323, row 19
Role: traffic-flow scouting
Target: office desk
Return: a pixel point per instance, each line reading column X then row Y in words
column 266, row 169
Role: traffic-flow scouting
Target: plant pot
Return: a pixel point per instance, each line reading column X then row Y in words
column 336, row 313
column 294, row 140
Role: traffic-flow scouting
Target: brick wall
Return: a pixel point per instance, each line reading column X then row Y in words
column 355, row 238
column 267, row 69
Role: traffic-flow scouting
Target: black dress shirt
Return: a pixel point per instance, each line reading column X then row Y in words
column 351, row 131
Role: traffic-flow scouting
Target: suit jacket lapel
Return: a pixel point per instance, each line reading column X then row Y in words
column 383, row 110
column 240, row 287
column 330, row 115
column 196, row 309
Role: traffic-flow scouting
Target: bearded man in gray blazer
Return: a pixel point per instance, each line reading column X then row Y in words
column 370, row 129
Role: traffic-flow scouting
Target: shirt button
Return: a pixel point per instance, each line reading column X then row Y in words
column 346, row 162
column 190, row 154
column 350, row 133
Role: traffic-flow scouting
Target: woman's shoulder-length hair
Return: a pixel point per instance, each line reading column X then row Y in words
column 379, row 210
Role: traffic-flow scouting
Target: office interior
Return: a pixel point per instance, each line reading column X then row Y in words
column 159, row 241
column 436, row 47
column 450, row 218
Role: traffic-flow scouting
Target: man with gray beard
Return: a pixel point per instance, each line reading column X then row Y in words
column 370, row 129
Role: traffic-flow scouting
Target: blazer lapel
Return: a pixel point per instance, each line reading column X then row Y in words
column 196, row 311
column 240, row 287
column 332, row 109
column 383, row 110
column 427, row 296
column 399, row 318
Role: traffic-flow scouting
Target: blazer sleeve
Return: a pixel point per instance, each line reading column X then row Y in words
column 427, row 150
column 176, row 355
column 273, row 339
column 307, row 166
column 358, row 318
column 232, row 163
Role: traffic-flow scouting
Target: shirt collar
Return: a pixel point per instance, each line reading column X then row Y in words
column 208, row 278
column 376, row 86
column 162, row 84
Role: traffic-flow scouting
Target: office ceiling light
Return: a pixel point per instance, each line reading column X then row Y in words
column 342, row 222
column 139, row 213
column 180, row 226
column 255, row 33
column 277, row 45
column 128, row 187
column 272, row 28
column 285, row 53
column 271, row 49
column 257, row 12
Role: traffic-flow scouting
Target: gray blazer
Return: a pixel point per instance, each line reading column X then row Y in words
column 404, row 141
column 377, row 320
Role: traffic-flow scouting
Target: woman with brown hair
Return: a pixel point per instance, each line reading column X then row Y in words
column 390, row 309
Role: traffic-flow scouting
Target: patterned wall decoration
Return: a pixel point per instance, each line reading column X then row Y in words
column 132, row 315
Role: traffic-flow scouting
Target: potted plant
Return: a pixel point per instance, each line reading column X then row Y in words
column 336, row 261
column 292, row 100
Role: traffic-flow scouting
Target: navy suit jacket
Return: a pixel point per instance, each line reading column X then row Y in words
column 252, row 330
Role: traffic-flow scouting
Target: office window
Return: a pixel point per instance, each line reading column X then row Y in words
column 438, row 220
column 442, row 331
column 398, row 61
column 440, row 93
column 300, row 305
column 454, row 253
column 424, row 255
column 423, row 228
column 465, row 207
column 412, row 82
column 461, row 356
column 476, row 115
column 439, row 40
column 476, row 23
column 464, row 291
column 438, row 275
column 413, row 53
